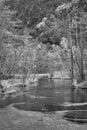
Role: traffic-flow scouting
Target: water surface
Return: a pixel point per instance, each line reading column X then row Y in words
column 49, row 96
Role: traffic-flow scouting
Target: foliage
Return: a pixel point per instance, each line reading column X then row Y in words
column 32, row 11
column 10, row 54
column 18, row 48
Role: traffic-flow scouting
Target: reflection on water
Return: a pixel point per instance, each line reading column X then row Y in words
column 46, row 92
column 79, row 96
column 51, row 95
column 77, row 111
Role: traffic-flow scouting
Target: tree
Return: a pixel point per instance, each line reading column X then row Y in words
column 4, row 23
column 32, row 11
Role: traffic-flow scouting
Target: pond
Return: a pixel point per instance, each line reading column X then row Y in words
column 50, row 96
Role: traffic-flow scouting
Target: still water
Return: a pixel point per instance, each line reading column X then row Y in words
column 51, row 96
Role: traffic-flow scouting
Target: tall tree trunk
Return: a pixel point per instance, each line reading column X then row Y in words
column 81, row 69
column 72, row 69
column 81, row 76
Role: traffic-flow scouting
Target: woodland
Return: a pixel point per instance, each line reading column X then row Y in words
column 37, row 36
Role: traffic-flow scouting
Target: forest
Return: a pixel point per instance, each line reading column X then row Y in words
column 37, row 36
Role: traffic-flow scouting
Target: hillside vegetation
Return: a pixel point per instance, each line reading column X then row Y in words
column 35, row 34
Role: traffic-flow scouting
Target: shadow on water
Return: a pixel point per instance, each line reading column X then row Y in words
column 77, row 111
column 39, row 108
column 50, row 96
column 79, row 117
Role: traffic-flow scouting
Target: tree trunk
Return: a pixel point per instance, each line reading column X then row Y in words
column 72, row 71
column 81, row 76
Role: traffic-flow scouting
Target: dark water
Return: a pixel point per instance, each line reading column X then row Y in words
column 51, row 96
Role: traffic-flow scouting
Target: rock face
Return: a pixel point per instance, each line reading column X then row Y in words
column 64, row 43
column 42, row 24
column 63, row 7
column 61, row 75
column 9, row 83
